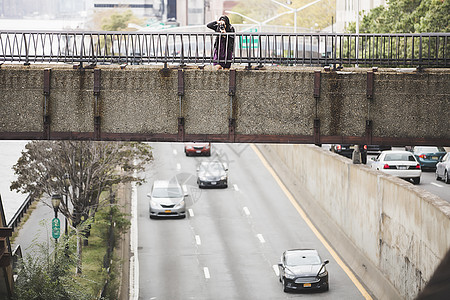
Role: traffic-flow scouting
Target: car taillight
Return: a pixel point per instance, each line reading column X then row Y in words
column 422, row 156
column 386, row 166
column 338, row 147
column 418, row 166
column 365, row 147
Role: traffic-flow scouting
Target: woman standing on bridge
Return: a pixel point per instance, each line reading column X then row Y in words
column 223, row 49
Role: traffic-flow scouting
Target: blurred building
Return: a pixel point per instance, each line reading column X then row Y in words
column 50, row 9
column 200, row 12
column 140, row 8
column 347, row 10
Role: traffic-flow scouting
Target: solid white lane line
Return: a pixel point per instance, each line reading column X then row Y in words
column 437, row 184
column 206, row 271
column 276, row 270
column 333, row 253
column 198, row 240
column 178, row 166
column 246, row 211
column 175, row 152
column 236, row 187
column 260, row 238
column 191, row 212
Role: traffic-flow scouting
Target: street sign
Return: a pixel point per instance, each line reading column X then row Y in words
column 246, row 42
column 56, row 228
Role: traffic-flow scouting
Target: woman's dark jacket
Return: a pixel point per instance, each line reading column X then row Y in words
column 215, row 26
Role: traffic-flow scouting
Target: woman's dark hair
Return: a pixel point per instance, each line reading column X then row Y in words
column 226, row 20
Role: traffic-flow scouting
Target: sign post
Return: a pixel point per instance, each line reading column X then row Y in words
column 56, row 228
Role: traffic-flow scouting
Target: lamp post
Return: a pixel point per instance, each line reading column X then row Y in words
column 295, row 10
column 56, row 225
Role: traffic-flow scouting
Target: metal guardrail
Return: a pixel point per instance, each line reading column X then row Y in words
column 306, row 49
column 15, row 221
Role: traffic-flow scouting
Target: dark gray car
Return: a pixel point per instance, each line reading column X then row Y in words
column 212, row 174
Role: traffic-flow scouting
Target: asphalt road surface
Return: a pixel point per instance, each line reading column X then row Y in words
column 428, row 181
column 230, row 243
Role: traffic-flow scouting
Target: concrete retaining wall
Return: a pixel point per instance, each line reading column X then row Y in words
column 399, row 232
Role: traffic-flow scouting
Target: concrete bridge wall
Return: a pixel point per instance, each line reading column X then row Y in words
column 278, row 104
column 393, row 234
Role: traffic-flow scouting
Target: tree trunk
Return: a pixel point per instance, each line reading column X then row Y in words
column 79, row 252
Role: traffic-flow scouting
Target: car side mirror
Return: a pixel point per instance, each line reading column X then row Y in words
column 326, row 261
column 225, row 166
column 280, row 264
column 149, row 195
column 373, row 158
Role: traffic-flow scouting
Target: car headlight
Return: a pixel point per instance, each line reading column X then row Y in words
column 189, row 147
column 224, row 177
column 323, row 273
column 288, row 274
column 181, row 204
column 154, row 204
column 202, row 178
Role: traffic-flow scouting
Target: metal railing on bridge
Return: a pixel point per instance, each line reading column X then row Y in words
column 305, row 49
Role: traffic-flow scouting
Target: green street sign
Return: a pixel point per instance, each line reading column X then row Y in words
column 246, row 42
column 56, row 228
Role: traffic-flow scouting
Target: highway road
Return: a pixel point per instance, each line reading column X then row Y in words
column 428, row 181
column 230, row 243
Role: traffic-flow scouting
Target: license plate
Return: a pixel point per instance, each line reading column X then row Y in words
column 198, row 151
column 168, row 211
column 434, row 158
column 402, row 167
column 307, row 285
column 213, row 182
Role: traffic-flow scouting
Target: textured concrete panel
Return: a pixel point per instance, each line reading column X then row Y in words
column 275, row 101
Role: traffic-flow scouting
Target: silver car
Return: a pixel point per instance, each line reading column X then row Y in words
column 402, row 164
column 167, row 200
column 443, row 168
column 212, row 174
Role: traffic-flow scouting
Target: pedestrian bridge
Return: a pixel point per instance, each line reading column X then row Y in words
column 81, row 86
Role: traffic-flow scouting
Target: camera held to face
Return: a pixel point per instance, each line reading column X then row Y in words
column 222, row 26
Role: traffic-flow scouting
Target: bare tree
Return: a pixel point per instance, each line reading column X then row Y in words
column 80, row 170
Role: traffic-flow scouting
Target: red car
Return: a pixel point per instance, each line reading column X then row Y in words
column 197, row 149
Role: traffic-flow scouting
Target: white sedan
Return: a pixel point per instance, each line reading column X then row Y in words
column 402, row 164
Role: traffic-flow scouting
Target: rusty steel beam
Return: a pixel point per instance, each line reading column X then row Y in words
column 224, row 138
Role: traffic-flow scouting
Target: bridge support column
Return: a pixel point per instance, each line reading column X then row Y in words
column 46, row 104
column 181, row 120
column 231, row 119
column 317, row 77
column 369, row 94
column 97, row 128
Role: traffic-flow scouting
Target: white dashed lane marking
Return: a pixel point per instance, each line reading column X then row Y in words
column 198, row 240
column 206, row 272
column 260, row 238
column 437, row 184
column 246, row 211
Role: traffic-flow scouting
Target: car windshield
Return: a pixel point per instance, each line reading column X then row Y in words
column 211, row 167
column 167, row 192
column 296, row 259
column 429, row 149
column 399, row 157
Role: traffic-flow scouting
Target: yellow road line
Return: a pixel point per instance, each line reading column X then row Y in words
column 333, row 253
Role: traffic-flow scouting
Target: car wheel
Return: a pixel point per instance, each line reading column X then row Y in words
column 437, row 175
column 416, row 180
column 447, row 177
